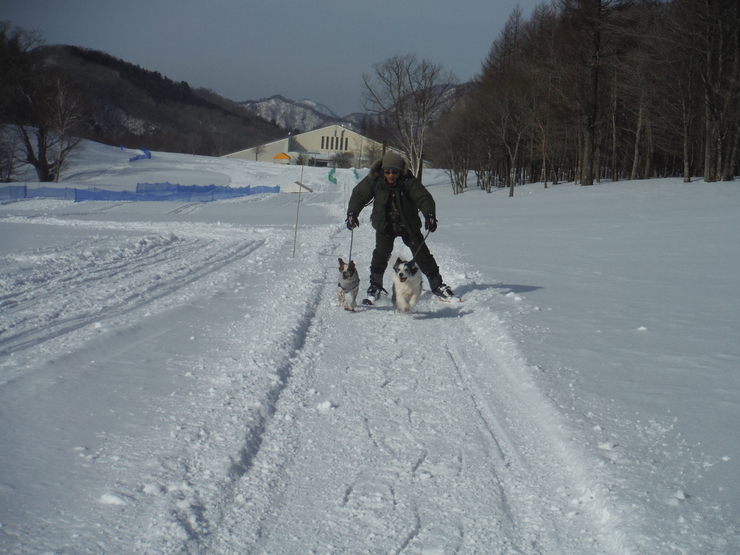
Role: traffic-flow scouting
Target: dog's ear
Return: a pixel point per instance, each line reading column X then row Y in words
column 351, row 265
column 341, row 262
column 398, row 261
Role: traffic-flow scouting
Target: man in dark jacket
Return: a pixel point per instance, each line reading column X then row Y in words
column 399, row 197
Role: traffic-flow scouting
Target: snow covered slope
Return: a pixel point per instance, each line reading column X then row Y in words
column 174, row 380
column 305, row 115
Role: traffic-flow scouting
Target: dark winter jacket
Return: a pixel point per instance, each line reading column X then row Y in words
column 408, row 193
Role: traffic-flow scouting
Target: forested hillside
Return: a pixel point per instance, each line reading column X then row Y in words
column 130, row 104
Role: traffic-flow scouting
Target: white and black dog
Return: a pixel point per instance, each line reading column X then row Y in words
column 349, row 284
column 406, row 285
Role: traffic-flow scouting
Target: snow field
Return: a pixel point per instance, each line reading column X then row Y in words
column 173, row 380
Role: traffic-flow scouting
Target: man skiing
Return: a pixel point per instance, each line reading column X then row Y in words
column 399, row 197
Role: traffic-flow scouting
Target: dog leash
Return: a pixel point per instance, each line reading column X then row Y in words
column 422, row 243
column 351, row 241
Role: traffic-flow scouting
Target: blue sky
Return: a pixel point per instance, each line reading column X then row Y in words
column 247, row 50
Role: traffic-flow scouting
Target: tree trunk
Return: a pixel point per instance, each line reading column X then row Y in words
column 709, row 143
column 589, row 142
column 638, row 136
column 729, row 173
column 587, row 164
column 544, row 159
column 615, row 170
column 686, row 166
column 648, row 151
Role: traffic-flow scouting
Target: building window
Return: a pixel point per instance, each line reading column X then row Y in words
column 322, row 143
column 346, row 143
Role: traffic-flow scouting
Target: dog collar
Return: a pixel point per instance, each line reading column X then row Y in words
column 352, row 284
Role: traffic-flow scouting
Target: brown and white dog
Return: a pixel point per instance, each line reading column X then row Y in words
column 349, row 284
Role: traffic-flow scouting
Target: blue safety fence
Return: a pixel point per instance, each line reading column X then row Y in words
column 13, row 192
column 144, row 192
column 66, row 193
column 18, row 192
column 145, row 156
column 173, row 192
column 205, row 192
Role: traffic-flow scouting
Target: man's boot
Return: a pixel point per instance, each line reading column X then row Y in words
column 376, row 288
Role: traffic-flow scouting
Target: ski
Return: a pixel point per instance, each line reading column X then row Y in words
column 447, row 295
column 449, row 300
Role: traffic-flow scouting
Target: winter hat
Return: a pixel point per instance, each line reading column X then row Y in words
column 393, row 160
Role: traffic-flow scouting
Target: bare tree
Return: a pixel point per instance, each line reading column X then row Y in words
column 585, row 30
column 369, row 152
column 8, row 162
column 46, row 138
column 453, row 145
column 259, row 149
column 342, row 159
column 505, row 94
column 538, row 51
column 410, row 94
column 43, row 108
column 594, row 88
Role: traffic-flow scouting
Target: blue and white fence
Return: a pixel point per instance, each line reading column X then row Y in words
column 144, row 192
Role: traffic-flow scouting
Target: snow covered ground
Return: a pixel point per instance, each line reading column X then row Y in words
column 174, row 380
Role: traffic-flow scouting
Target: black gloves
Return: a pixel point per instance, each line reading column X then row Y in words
column 352, row 221
column 430, row 222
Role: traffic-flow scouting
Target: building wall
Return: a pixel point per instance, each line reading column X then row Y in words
column 319, row 143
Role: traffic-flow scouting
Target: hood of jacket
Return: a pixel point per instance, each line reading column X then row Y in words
column 376, row 170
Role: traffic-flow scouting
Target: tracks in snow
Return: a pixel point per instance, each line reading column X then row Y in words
column 50, row 293
column 413, row 434
column 366, row 432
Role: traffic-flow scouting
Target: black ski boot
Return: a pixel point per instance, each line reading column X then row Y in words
column 375, row 290
column 439, row 288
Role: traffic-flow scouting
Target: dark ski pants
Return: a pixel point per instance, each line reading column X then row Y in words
column 384, row 250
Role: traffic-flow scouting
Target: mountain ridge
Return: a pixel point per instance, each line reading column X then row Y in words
column 299, row 115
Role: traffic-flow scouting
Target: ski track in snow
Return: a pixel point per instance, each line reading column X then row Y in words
column 413, row 459
column 48, row 296
column 311, row 429
column 332, row 433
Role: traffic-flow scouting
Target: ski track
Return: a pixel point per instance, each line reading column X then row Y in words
column 366, row 443
column 327, row 431
column 49, row 295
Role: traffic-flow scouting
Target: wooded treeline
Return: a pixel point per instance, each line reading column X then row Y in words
column 602, row 89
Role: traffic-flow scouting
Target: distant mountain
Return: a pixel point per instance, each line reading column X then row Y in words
column 307, row 115
column 301, row 115
column 319, row 108
column 360, row 119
